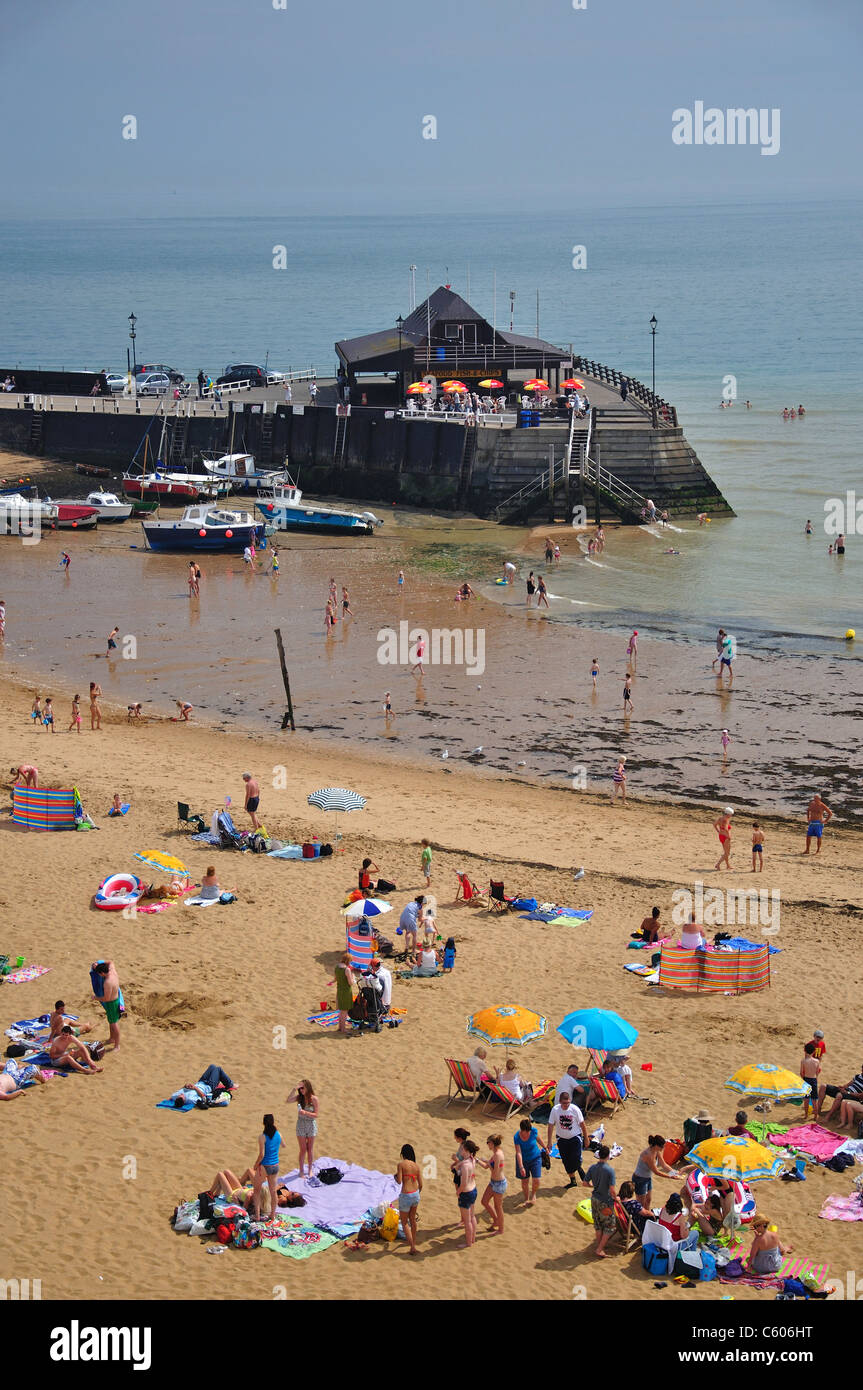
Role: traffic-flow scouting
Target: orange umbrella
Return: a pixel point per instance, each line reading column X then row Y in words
column 491, row 382
column 450, row 387
column 418, row 388
column 572, row 383
column 536, row 385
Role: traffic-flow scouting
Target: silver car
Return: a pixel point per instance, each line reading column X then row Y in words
column 153, row 384
column 117, row 381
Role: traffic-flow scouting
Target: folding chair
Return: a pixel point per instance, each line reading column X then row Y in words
column 186, row 821
column 602, row 1090
column 463, row 1078
column 497, row 901
column 499, row 1095
column 468, row 889
column 626, row 1227
column 597, row 1057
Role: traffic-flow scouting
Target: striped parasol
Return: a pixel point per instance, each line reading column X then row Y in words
column 510, row 1024
column 337, row 799
column 367, row 907
column 735, row 1157
column 155, row 859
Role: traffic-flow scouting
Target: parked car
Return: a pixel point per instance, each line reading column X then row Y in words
column 243, row 371
column 153, row 384
column 172, row 374
column 116, row 380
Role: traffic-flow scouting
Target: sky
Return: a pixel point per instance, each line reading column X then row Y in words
column 245, row 108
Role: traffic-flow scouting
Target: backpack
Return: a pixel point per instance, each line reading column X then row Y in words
column 244, row 1238
column 329, row 1175
column 326, row 851
column 654, row 1259
column 225, row 1232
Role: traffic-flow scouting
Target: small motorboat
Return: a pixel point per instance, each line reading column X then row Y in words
column 107, row 505
column 204, row 527
column 283, row 507
column 156, row 487
column 23, row 515
column 74, row 516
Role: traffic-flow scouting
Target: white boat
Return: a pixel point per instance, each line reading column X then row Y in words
column 282, row 506
column 18, row 514
column 239, row 468
column 110, row 506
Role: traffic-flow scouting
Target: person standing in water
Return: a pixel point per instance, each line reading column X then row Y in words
column 541, row 592
column 530, row 584
column 618, row 781
column 594, row 671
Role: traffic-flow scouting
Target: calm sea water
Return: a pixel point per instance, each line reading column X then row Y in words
column 767, row 295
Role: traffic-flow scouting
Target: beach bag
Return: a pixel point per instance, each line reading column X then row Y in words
column 329, row 1175
column 96, row 1050
column 654, row 1259
column 385, row 946
column 688, row 1263
column 390, row 1224
column 673, row 1151
column 326, row 851
column 16, row 1050
column 258, row 843
column 225, row 1232
column 227, row 898
column 244, row 1238
column 205, row 1206
column 734, row 1268
column 308, row 851
column 708, row 1264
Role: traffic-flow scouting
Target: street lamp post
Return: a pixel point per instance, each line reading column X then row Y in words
column 653, row 357
column 132, row 322
column 400, row 323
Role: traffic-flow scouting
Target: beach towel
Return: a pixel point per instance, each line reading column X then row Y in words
column 760, row 1130
column 27, row 1029
column 206, row 837
column 740, row 943
column 837, row 1208
column 345, row 1201
column 640, row 969
column 811, row 1139
column 27, row 972
column 201, row 902
column 854, row 1147
column 557, row 916
column 647, row 945
column 754, row 1281
column 286, row 852
column 286, row 1235
column 122, row 811
column 796, row 1267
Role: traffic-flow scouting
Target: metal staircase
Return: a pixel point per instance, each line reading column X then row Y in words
column 468, row 454
column 37, row 431
column 265, row 442
column 179, row 440
column 341, row 437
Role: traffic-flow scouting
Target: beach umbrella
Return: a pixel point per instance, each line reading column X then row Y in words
column 367, row 907
column 572, row 383
column 763, row 1079
column 735, row 1157
column 155, row 859
column 601, row 1029
column 337, row 799
column 492, row 382
column 450, row 387
column 536, row 385
column 418, row 388
column 512, row 1025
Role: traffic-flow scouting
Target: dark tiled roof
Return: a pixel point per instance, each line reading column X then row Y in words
column 442, row 304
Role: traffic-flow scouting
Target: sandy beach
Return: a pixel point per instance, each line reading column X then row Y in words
column 213, row 987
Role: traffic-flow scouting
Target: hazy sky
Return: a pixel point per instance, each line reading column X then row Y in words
column 318, row 107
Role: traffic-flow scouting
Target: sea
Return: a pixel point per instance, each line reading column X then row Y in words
column 756, row 305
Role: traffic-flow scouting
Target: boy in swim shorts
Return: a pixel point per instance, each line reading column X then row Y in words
column 757, row 847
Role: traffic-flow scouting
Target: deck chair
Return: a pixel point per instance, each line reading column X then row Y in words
column 185, row 821
column 626, row 1227
column 602, row 1090
column 467, row 889
column 597, row 1057
column 499, row 1095
column 497, row 901
column 463, row 1078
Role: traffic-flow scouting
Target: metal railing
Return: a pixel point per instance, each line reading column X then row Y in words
column 500, row 419
column 660, row 411
column 558, row 471
column 489, row 354
column 621, row 492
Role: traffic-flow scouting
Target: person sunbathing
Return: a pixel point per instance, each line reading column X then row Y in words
column 206, row 1088
column 766, row 1250
column 709, row 1216
column 850, row 1111
column 58, row 1019
column 241, row 1191
column 67, row 1052
column 14, row 1077
column 210, row 884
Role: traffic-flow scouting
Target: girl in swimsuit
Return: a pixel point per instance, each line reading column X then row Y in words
column 408, row 1174
column 95, row 712
column 76, row 716
column 492, row 1198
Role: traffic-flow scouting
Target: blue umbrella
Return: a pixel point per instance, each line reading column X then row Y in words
column 597, row 1028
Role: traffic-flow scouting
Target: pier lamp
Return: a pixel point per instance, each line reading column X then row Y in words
column 653, row 357
column 132, row 322
column 400, row 323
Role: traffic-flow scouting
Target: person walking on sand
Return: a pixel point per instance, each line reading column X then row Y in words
column 110, row 998
column 193, row 580
column 722, row 826
column 419, row 654
column 345, row 983
column 541, row 592
column 632, row 649
column 466, row 1189
column 274, row 561
column 267, row 1165
column 409, row 1177
column 253, row 797
column 627, row 694
column 112, row 642
column 528, row 1160
column 36, row 711
column 757, row 847
column 76, row 715
column 95, row 711
column 720, row 645
column 401, row 581
column 618, row 781
column 426, row 861
column 347, row 611
column 724, row 739
column 48, row 716
column 307, row 1123
column 594, row 671
column 818, row 813
column 492, row 1198
column 566, row 1125
column 726, row 659
column 601, row 1178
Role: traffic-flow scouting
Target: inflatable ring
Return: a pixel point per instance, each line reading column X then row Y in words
column 583, row 1210
column 700, row 1186
column 118, row 891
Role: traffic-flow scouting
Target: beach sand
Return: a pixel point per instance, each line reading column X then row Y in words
column 215, row 986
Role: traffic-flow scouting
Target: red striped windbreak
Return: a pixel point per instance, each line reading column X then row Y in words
column 713, row 971
column 43, row 808
column 360, row 949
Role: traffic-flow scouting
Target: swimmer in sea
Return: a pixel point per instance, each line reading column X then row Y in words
column 807, row 529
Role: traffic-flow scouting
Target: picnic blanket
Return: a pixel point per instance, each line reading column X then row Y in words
column 345, row 1201
column 330, row 1018
column 27, row 972
column 296, row 1238
column 811, row 1139
column 837, row 1208
column 557, row 916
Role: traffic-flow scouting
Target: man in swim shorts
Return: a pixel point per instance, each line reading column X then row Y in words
column 58, row 1020
column 818, row 813
column 253, row 797
column 110, row 998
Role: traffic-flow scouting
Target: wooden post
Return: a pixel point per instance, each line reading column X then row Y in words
column 288, row 717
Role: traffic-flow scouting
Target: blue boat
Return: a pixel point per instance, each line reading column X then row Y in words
column 285, row 509
column 205, row 527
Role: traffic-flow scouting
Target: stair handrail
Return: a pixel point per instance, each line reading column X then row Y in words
column 537, row 484
column 613, row 485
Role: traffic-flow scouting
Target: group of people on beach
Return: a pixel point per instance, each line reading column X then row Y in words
column 332, row 606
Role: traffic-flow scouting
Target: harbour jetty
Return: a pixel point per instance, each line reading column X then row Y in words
column 352, row 436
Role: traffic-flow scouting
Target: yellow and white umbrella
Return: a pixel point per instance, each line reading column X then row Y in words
column 155, row 859
column 764, row 1079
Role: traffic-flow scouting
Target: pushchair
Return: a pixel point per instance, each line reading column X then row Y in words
column 367, row 1009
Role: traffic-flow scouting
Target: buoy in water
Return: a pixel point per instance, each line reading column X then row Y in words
column 850, row 635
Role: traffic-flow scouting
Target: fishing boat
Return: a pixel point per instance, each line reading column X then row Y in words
column 92, row 470
column 204, row 527
column 283, row 507
column 155, row 487
column 239, row 471
column 19, row 514
column 206, row 486
column 107, row 504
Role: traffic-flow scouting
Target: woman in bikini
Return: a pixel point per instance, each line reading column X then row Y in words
column 95, row 712
column 722, row 826
column 409, row 1176
column 492, row 1198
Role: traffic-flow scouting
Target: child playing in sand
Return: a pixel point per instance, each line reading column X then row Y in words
column 757, row 847
column 185, row 709
column 118, row 808
column 594, row 671
column 426, row 862
column 449, row 954
column 48, row 716
column 810, row 1070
